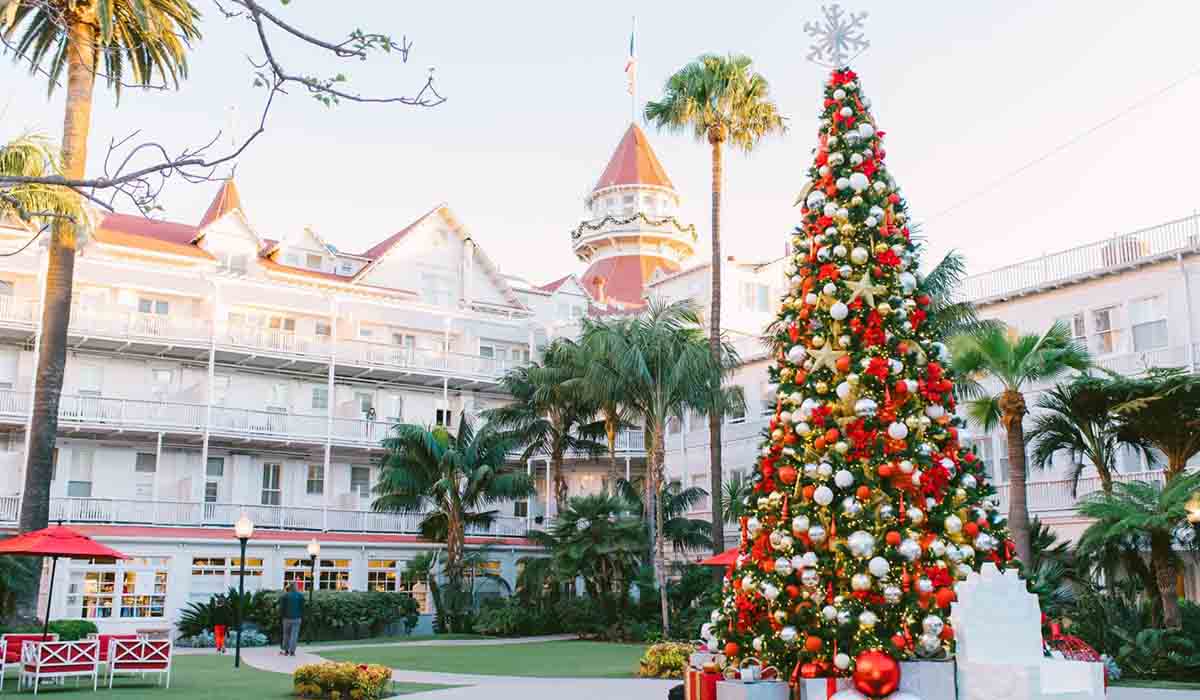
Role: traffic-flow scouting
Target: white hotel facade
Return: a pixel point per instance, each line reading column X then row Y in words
column 213, row 372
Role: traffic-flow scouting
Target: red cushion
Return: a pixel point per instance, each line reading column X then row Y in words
column 60, row 668
column 142, row 665
column 12, row 652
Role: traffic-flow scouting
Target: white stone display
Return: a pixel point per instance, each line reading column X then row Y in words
column 998, row 638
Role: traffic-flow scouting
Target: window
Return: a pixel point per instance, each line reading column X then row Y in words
column 333, row 575
column 132, row 588
column 9, row 361
column 297, row 572
column 208, row 566
column 146, row 463
column 404, row 340
column 158, row 307
column 737, row 414
column 323, row 329
column 444, row 417
column 6, row 288
column 279, row 398
column 292, row 259
column 382, row 575
column 271, row 493
column 315, row 262
column 212, row 491
column 316, row 480
column 483, row 567
column 520, row 355
column 91, row 379
column 1148, row 321
column 768, row 397
column 220, row 389
column 282, row 323
column 346, row 268
column 395, row 407
column 237, row 263
column 215, row 469
column 1106, row 338
column 80, row 483
column 674, row 425
column 320, row 398
column 364, row 332
column 627, row 202
column 161, row 380
column 1074, row 324
column 756, row 297
column 520, row 509
column 360, row 481
column 487, row 351
column 366, row 403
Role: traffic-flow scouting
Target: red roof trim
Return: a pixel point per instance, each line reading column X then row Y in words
column 261, row 535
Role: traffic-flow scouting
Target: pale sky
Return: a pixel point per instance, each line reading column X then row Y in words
column 965, row 91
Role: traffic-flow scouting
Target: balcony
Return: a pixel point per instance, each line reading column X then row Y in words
column 1129, row 250
column 1056, row 497
column 428, row 366
column 18, row 317
column 114, row 328
column 120, row 511
column 104, row 416
column 1134, row 363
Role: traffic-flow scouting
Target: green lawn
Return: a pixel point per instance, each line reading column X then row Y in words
column 391, row 640
column 1160, row 685
column 569, row 659
column 192, row 678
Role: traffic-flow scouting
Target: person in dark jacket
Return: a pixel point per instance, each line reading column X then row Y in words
column 291, row 609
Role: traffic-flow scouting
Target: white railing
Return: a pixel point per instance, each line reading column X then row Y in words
column 123, row 322
column 368, row 354
column 1094, row 258
column 274, row 340
column 190, row 417
column 1057, row 496
column 1132, row 363
column 17, row 310
column 125, row 511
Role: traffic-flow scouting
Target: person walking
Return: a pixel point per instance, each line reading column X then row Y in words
column 291, row 609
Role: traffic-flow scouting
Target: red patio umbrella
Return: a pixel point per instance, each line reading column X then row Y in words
column 54, row 542
column 726, row 558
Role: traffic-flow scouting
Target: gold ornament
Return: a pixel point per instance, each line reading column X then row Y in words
column 884, row 309
column 880, row 248
column 866, row 289
column 856, row 201
column 821, row 387
column 826, row 357
column 818, row 341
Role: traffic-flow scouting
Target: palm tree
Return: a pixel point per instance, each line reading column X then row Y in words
column 33, row 155
column 946, row 314
column 600, row 540
column 1077, row 418
column 1160, row 410
column 548, row 414
column 660, row 362
column 718, row 99
column 684, row 533
column 733, row 498
column 449, row 476
column 1015, row 362
column 135, row 42
column 1147, row 511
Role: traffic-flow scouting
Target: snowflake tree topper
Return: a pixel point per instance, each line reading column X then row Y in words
column 838, row 39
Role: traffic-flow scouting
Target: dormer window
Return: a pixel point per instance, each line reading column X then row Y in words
column 314, row 261
column 292, row 259
column 346, row 268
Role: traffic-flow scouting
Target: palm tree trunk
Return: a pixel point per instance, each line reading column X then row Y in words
column 60, row 272
column 455, row 542
column 1132, row 559
column 1165, row 574
column 715, row 139
column 660, row 558
column 1176, row 464
column 1012, row 407
column 560, row 482
column 610, row 432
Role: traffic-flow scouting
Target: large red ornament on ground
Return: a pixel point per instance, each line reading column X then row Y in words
column 876, row 674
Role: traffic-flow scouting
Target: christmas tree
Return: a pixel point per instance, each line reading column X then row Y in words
column 866, row 509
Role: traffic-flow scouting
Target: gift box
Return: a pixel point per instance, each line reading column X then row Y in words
column 757, row 690
column 821, row 688
column 699, row 685
column 928, row 680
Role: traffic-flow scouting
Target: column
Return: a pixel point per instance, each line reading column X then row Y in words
column 157, row 468
column 528, row 510
column 329, row 403
column 549, row 488
column 208, row 395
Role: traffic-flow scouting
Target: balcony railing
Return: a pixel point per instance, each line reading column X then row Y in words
column 1058, row 495
column 123, row 322
column 17, row 310
column 274, row 340
column 1138, row 247
column 124, row 511
column 1132, row 363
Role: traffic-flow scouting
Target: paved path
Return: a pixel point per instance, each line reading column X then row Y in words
column 476, row 687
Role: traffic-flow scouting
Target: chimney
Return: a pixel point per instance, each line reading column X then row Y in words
column 600, row 296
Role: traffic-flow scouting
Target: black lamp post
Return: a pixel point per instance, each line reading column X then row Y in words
column 314, row 551
column 243, row 530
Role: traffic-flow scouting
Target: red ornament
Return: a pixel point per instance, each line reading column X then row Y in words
column 731, row 649
column 812, row 644
column 971, row 530
column 876, row 674
column 787, row 474
column 892, row 538
column 899, row 641
column 944, row 597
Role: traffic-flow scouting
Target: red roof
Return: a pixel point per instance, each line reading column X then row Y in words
column 261, row 535
column 227, row 200
column 634, row 163
column 136, row 231
column 386, row 244
column 553, row 286
column 624, row 277
column 58, row 541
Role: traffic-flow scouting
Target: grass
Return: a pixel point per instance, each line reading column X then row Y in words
column 391, row 640
column 192, row 678
column 567, row 659
column 1160, row 685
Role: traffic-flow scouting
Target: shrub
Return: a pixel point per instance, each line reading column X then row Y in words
column 665, row 660
column 207, row 640
column 342, row 680
column 67, row 630
column 332, row 614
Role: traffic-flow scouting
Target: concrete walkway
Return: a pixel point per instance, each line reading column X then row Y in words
column 476, row 687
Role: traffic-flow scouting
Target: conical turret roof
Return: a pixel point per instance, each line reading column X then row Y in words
column 634, row 163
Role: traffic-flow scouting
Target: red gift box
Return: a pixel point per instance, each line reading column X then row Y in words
column 700, row 685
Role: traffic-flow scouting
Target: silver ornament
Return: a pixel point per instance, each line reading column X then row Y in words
column 861, row 544
column 932, row 624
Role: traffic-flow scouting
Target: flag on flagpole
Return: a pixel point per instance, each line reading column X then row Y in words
column 631, row 66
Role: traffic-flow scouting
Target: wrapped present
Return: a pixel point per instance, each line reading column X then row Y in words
column 753, row 690
column 821, row 688
column 700, row 684
column 928, row 680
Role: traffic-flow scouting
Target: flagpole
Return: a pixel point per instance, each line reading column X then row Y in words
column 633, row 90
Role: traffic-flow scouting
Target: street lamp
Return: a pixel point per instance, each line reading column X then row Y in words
column 314, row 551
column 243, row 530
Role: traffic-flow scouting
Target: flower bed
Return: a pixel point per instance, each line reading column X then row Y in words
column 342, row 681
column 665, row 660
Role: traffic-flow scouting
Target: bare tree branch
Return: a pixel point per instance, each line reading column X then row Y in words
column 138, row 172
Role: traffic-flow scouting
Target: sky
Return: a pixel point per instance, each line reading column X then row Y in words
column 536, row 102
